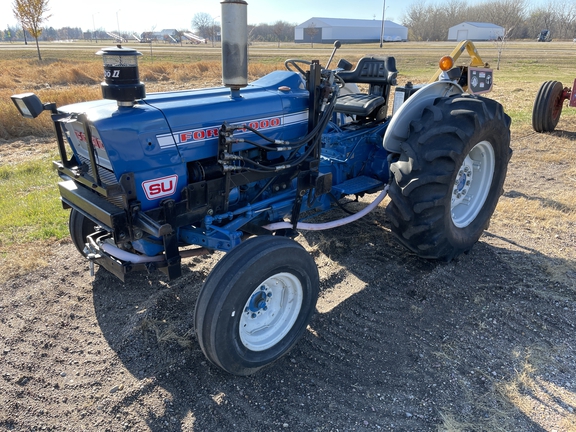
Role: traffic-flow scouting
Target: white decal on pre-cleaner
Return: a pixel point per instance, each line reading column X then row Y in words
column 200, row 135
column 160, row 187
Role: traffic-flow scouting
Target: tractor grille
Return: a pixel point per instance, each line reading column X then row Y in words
column 107, row 177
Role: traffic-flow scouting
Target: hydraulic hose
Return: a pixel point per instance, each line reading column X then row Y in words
column 126, row 256
column 319, row 126
column 294, row 159
column 333, row 224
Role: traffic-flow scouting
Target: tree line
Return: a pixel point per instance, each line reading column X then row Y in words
column 12, row 34
column 280, row 31
column 424, row 20
column 429, row 21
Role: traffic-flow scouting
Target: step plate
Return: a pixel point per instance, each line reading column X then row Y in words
column 357, row 185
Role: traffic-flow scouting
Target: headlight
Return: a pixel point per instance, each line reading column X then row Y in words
column 28, row 104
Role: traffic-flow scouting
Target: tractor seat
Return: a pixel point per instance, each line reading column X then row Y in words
column 372, row 70
column 358, row 104
column 379, row 73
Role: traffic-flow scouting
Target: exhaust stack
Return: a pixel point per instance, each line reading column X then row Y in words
column 234, row 45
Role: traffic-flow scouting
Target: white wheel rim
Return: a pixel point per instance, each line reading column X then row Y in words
column 472, row 184
column 271, row 311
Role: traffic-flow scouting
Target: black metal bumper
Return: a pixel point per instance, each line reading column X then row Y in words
column 96, row 208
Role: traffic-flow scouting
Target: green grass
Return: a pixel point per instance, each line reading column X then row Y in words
column 30, row 203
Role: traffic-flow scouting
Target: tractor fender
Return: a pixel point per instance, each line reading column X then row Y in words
column 399, row 128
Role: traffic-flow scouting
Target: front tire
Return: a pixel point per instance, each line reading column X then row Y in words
column 256, row 303
column 547, row 106
column 449, row 176
column 80, row 227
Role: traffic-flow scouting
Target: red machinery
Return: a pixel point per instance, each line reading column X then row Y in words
column 548, row 104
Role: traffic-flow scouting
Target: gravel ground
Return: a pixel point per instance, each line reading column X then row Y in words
column 398, row 343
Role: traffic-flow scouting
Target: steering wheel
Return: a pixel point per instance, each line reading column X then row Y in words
column 294, row 63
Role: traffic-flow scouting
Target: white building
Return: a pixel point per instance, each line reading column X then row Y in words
column 328, row 30
column 475, row 31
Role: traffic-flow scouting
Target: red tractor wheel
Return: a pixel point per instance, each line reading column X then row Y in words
column 548, row 106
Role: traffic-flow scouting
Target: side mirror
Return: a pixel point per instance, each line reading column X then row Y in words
column 29, row 105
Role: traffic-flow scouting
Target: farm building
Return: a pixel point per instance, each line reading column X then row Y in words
column 475, row 31
column 328, row 30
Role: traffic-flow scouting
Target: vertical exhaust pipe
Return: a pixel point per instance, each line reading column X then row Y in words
column 234, row 45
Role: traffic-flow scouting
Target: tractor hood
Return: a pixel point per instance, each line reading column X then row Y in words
column 268, row 104
column 186, row 123
column 159, row 133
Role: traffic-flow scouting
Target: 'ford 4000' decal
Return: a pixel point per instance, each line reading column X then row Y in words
column 200, row 135
column 160, row 187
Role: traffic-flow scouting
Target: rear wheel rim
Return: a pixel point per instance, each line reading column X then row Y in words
column 472, row 184
column 271, row 311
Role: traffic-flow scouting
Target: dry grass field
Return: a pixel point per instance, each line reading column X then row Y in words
column 484, row 343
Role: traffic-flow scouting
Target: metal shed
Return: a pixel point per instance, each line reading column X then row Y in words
column 475, row 31
column 327, row 30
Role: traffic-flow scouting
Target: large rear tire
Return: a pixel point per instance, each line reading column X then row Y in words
column 256, row 303
column 547, row 106
column 449, row 176
column 80, row 227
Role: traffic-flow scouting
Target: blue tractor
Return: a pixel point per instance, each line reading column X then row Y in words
column 151, row 179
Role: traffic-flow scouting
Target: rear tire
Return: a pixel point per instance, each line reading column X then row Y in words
column 80, row 227
column 256, row 303
column 547, row 106
column 447, row 181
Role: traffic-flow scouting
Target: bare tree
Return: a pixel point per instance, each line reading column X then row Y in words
column 202, row 23
column 455, row 11
column 280, row 28
column 179, row 35
column 509, row 14
column 500, row 44
column 414, row 18
column 312, row 31
column 565, row 14
column 426, row 22
column 432, row 21
column 539, row 19
column 32, row 13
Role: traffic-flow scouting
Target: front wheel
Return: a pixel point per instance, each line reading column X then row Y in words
column 80, row 228
column 256, row 303
column 449, row 175
column 548, row 106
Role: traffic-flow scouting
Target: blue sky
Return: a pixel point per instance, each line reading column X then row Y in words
column 146, row 15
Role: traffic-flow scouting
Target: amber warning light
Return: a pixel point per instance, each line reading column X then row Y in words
column 446, row 63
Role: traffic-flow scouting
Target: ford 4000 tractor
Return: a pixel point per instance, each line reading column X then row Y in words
column 154, row 178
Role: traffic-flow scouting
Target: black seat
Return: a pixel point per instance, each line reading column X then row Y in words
column 379, row 73
column 358, row 104
column 372, row 70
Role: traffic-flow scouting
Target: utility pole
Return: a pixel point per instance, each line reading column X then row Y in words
column 213, row 27
column 94, row 27
column 118, row 23
column 382, row 29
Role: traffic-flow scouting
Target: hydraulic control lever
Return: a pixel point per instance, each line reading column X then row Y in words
column 337, row 45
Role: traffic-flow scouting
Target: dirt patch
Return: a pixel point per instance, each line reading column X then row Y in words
column 17, row 151
column 398, row 343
